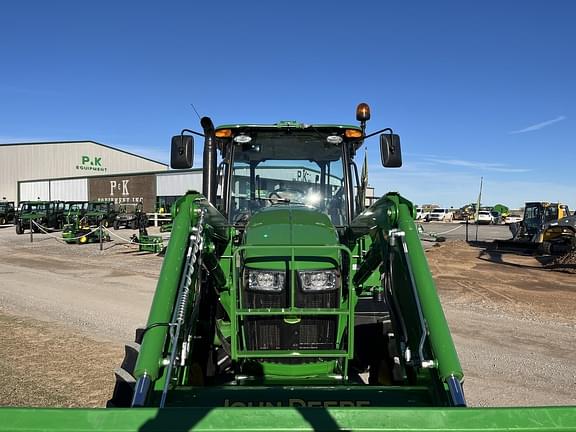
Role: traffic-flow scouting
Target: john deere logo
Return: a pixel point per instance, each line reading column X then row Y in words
column 91, row 164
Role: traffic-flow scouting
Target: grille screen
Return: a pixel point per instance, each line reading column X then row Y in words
column 328, row 299
column 263, row 333
column 264, row 300
column 273, row 333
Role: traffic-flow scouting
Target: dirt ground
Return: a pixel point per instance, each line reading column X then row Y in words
column 512, row 319
column 65, row 310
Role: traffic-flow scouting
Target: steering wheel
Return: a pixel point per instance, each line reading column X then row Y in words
column 285, row 195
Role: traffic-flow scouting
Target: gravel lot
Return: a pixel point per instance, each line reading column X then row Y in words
column 65, row 311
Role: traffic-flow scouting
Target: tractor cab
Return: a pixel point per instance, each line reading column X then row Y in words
column 536, row 214
column 287, row 163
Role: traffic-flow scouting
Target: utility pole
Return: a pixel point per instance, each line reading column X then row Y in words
column 478, row 206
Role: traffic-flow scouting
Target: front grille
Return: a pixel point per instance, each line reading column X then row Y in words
column 265, row 300
column 317, row 333
column 263, row 333
column 326, row 299
column 272, row 333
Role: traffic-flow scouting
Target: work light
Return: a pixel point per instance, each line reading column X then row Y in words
column 260, row 280
column 320, row 280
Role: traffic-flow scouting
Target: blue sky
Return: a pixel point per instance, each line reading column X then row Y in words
column 475, row 89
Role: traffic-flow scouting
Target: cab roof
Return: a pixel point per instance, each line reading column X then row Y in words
column 289, row 124
column 289, row 140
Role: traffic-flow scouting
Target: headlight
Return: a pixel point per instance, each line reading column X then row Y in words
column 259, row 280
column 321, row 280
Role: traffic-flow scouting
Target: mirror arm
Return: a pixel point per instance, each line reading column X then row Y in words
column 377, row 132
column 191, row 131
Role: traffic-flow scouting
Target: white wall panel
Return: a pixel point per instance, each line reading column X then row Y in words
column 35, row 190
column 59, row 160
column 178, row 183
column 69, row 190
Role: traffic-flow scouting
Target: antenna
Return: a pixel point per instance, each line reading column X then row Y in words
column 194, row 108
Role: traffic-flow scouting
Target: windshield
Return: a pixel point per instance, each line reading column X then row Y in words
column 98, row 206
column 314, row 183
column 75, row 206
column 32, row 207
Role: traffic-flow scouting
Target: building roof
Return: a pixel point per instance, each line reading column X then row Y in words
column 84, row 141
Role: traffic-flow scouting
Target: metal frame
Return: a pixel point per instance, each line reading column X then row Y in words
column 345, row 313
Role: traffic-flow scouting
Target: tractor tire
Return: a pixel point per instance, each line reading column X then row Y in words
column 132, row 224
column 125, row 381
column 2, row 220
column 19, row 228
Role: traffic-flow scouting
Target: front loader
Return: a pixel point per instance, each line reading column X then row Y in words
column 284, row 304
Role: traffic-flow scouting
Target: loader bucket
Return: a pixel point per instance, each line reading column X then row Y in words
column 289, row 419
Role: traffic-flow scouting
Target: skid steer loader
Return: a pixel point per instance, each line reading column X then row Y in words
column 546, row 228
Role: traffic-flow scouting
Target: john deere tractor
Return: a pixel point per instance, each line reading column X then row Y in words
column 284, row 304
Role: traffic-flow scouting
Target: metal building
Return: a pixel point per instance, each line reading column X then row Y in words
column 68, row 159
column 152, row 189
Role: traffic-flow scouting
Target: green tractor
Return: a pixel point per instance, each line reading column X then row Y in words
column 284, row 304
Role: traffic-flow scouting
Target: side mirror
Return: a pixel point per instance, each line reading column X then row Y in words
column 182, row 152
column 390, row 151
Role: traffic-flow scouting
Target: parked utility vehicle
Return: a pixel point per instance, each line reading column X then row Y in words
column 38, row 215
column 130, row 215
column 103, row 212
column 7, row 212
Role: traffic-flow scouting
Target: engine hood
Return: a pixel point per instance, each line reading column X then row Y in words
column 290, row 225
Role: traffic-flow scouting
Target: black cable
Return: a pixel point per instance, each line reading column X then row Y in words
column 151, row 326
